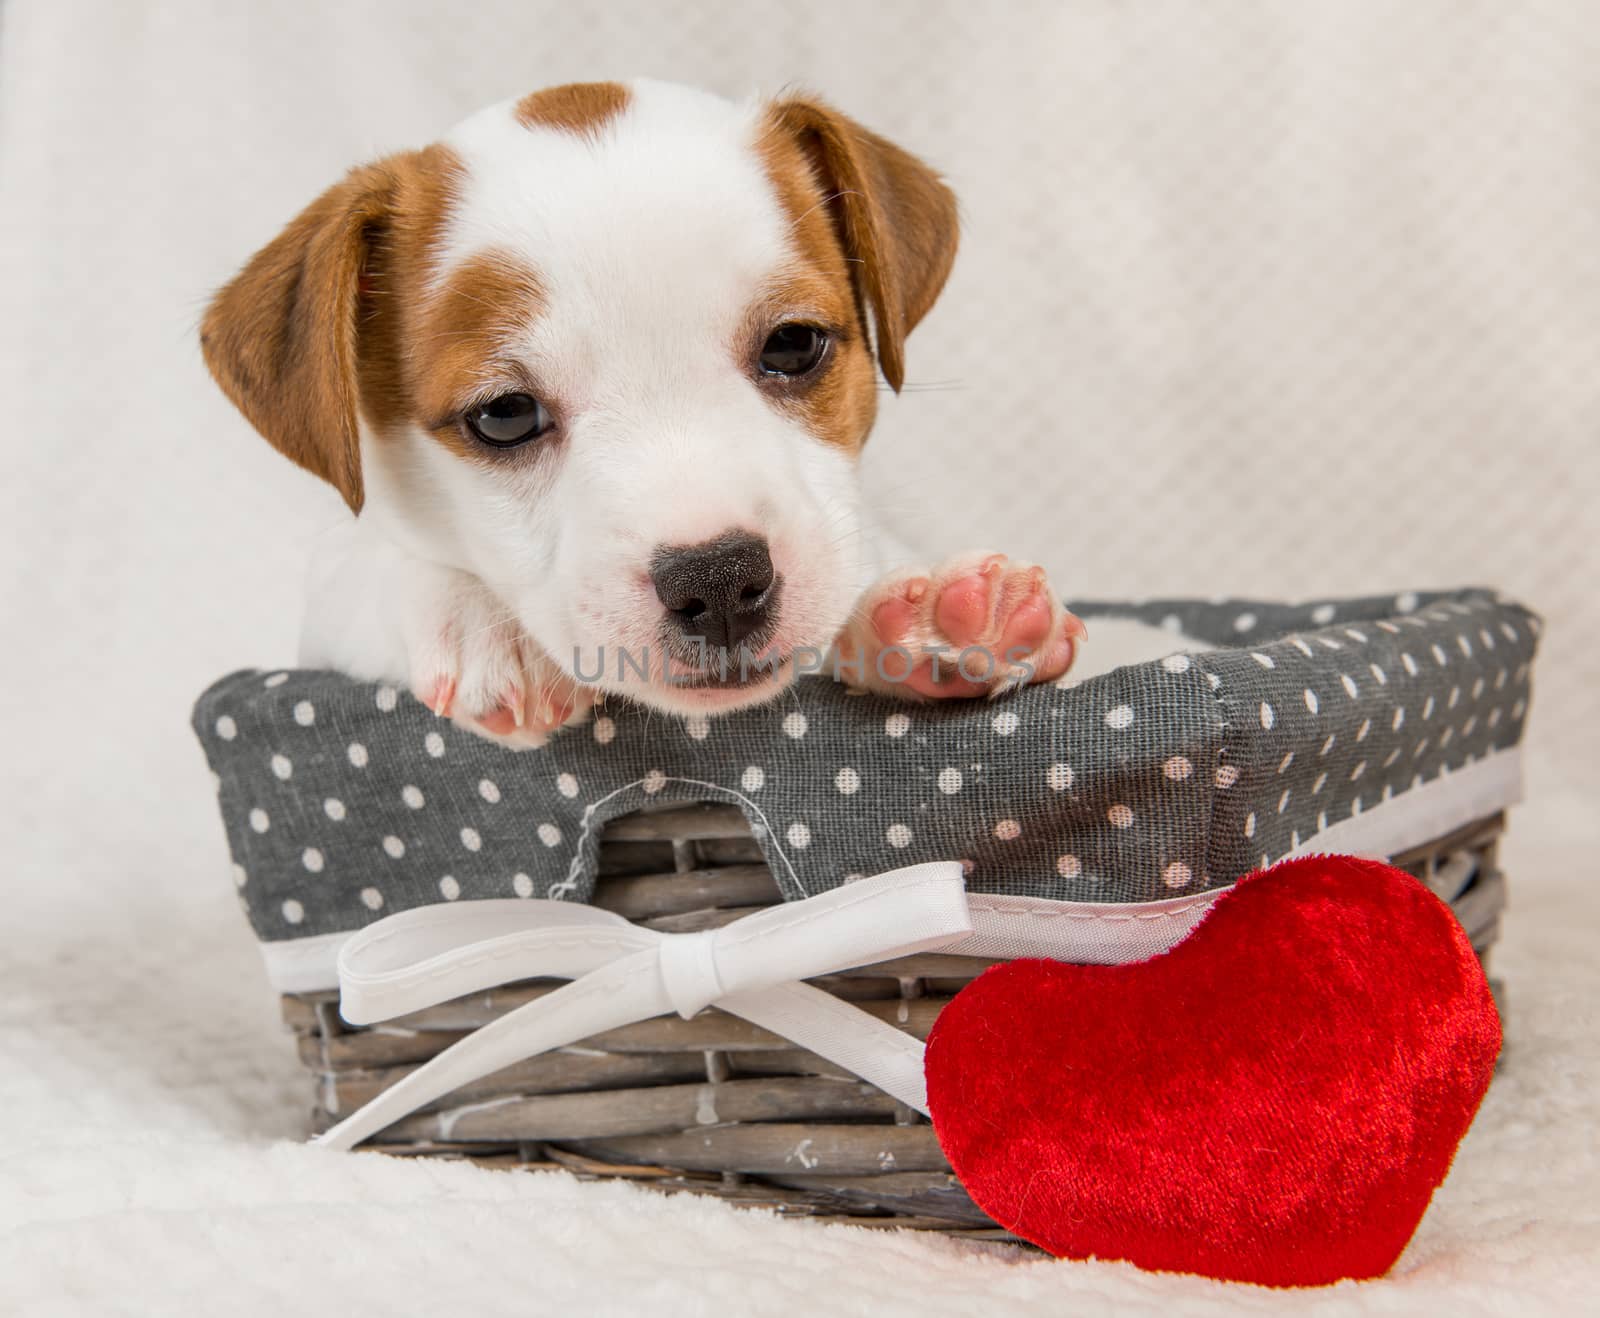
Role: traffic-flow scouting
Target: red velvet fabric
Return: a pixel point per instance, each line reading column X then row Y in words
column 1274, row 1100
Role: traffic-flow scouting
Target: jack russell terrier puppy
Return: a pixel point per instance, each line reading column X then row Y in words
column 594, row 371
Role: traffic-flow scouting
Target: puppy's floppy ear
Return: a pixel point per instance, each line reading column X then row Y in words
column 281, row 338
column 894, row 215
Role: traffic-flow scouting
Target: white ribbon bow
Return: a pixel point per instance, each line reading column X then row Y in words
column 623, row 973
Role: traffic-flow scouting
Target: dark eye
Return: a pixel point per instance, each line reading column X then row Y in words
column 793, row 349
column 509, row 420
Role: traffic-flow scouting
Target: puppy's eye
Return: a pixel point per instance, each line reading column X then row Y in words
column 793, row 349
column 509, row 420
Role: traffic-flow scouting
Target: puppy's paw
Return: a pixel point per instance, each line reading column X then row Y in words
column 472, row 663
column 977, row 625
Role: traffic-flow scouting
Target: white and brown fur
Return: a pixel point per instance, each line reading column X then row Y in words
column 619, row 251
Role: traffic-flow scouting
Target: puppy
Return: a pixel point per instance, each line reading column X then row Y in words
column 594, row 372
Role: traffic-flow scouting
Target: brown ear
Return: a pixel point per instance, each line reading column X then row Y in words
column 281, row 337
column 895, row 216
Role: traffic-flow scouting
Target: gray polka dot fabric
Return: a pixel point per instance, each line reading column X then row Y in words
column 344, row 802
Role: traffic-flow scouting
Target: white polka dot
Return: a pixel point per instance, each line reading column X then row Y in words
column 653, row 782
column 471, row 839
column 386, row 698
column 522, row 885
column 433, row 743
column 1301, row 646
column 1120, row 717
column 1250, row 824
column 605, row 731
column 1005, row 724
column 277, row 679
column 1283, row 801
column 753, row 779
column 1406, row 602
column 898, row 835
column 281, row 768
column 1120, row 816
column 372, row 899
column 794, row 725
column 357, row 755
column 1177, row 875
column 1177, row 768
column 1172, row 623
column 550, row 835
column 393, row 847
column 847, row 781
column 311, row 858
column 305, row 713
column 293, row 912
column 412, row 796
column 697, row 726
column 1176, row 663
column 949, row 781
column 897, row 725
column 1265, row 660
column 449, row 889
column 1317, row 786
column 1059, row 777
column 1322, row 615
column 1069, row 866
column 799, row 836
column 1268, row 715
column 1227, row 776
column 1410, row 664
column 1312, row 704
column 1439, row 656
column 1399, row 719
column 227, row 729
column 488, row 790
column 333, row 807
column 1285, row 762
column 240, row 878
column 1244, row 622
column 1008, row 830
column 259, row 820
column 567, row 785
column 1349, row 684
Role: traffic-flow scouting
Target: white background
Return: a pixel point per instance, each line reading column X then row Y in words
column 1254, row 298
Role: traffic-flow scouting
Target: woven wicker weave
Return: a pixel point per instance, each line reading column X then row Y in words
column 715, row 1105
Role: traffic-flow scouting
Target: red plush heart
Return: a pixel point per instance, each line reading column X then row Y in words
column 1274, row 1100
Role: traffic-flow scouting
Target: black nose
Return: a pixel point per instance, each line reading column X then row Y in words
column 722, row 590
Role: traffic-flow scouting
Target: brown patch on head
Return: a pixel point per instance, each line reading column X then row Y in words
column 344, row 317
column 891, row 218
column 459, row 343
column 583, row 108
column 311, row 332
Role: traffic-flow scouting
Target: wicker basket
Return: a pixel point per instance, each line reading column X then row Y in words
column 715, row 1105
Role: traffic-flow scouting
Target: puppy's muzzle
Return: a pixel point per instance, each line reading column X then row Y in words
column 721, row 592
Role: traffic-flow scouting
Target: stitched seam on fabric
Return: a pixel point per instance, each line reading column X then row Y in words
column 1101, row 916
column 558, row 891
column 1224, row 737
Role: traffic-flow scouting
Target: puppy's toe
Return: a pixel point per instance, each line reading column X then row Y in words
column 976, row 625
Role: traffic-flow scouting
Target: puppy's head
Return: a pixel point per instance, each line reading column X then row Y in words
column 613, row 349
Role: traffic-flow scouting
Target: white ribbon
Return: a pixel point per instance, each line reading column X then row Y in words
column 622, row 973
